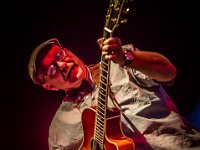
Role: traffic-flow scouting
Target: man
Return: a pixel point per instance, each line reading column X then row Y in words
column 149, row 116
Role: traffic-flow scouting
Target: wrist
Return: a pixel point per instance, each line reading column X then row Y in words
column 128, row 57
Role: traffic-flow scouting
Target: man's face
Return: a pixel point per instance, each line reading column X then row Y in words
column 63, row 69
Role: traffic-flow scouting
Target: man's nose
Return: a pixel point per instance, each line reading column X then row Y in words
column 61, row 64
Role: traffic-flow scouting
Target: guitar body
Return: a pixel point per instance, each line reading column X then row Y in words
column 114, row 137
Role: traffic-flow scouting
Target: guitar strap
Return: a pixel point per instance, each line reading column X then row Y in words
column 115, row 102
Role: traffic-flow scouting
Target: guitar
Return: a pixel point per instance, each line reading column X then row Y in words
column 102, row 125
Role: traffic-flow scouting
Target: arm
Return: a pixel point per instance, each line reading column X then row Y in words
column 153, row 64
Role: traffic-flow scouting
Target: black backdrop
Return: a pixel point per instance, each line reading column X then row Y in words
column 167, row 26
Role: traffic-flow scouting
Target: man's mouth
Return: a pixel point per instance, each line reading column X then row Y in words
column 67, row 75
column 66, row 72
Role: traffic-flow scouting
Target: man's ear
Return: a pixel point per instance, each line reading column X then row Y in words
column 50, row 87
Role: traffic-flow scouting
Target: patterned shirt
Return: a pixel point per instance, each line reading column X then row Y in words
column 149, row 116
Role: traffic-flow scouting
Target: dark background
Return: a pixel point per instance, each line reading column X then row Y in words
column 167, row 26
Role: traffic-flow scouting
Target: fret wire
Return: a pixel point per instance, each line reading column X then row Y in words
column 101, row 109
column 99, row 141
column 99, row 137
column 99, row 133
column 101, row 122
column 102, row 100
column 100, row 112
column 104, row 67
column 102, row 118
column 103, row 97
column 99, row 103
column 100, row 130
column 103, row 62
column 102, row 90
column 104, row 70
column 104, row 73
column 103, row 84
column 101, row 106
column 104, row 79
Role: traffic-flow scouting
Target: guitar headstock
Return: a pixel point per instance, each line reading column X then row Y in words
column 117, row 13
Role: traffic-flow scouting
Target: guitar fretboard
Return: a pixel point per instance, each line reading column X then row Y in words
column 113, row 19
column 100, row 122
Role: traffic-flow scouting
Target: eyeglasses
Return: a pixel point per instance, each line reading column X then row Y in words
column 53, row 68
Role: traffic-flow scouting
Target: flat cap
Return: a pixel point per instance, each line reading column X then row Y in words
column 42, row 48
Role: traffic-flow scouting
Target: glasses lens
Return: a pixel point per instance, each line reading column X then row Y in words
column 52, row 70
column 60, row 56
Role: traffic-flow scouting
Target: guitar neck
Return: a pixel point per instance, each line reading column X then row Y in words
column 113, row 19
column 100, row 122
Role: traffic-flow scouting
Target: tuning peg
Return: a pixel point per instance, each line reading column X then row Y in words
column 114, row 20
column 123, row 21
column 126, row 11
